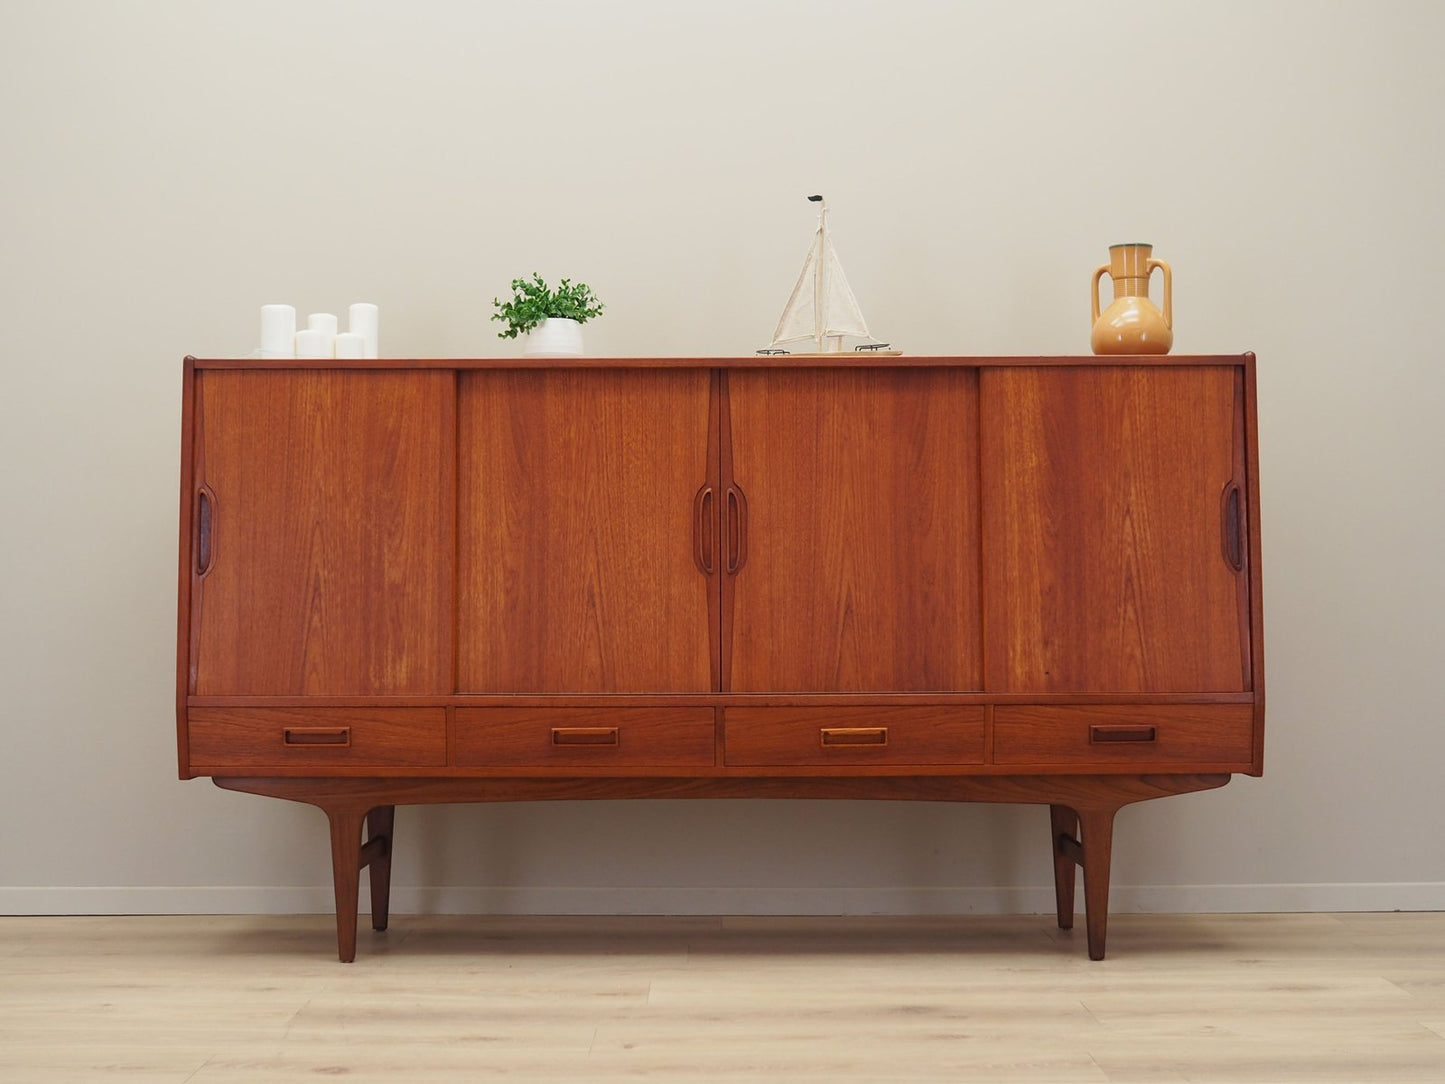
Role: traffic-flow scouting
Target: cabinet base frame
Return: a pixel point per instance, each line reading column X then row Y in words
column 1081, row 818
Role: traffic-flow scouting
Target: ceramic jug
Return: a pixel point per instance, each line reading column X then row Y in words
column 1132, row 324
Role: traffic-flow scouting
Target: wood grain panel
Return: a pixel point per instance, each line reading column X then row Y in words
column 850, row 737
column 584, row 737
column 330, row 533
column 318, row 737
column 1105, row 568
column 862, row 563
column 576, row 510
column 1085, row 737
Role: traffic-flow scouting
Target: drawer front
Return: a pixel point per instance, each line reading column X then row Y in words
column 584, row 737
column 1132, row 735
column 836, row 737
column 317, row 737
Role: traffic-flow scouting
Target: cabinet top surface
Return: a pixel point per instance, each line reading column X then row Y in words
column 859, row 360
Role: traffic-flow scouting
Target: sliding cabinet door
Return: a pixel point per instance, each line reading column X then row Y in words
column 1115, row 542
column 324, row 512
column 587, row 509
column 850, row 530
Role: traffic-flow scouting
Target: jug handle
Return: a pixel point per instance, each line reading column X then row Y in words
column 1168, row 289
column 1099, row 272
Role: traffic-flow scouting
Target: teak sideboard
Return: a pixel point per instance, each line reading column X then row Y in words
column 993, row 579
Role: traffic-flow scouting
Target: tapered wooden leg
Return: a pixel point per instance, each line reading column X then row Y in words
column 1064, row 824
column 379, row 824
column 1098, row 841
column 346, row 875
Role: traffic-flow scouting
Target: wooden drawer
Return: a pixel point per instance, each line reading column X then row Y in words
column 280, row 737
column 584, row 737
column 833, row 737
column 1134, row 736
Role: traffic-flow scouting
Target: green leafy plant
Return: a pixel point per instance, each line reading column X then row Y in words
column 534, row 301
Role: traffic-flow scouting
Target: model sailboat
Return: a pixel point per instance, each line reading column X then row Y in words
column 822, row 307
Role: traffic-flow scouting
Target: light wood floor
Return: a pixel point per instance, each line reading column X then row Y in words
column 1200, row 998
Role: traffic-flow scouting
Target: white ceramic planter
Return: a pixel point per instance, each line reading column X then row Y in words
column 555, row 337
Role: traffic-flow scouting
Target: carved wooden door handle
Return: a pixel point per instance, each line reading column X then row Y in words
column 735, row 529
column 1232, row 527
column 702, row 540
column 205, row 528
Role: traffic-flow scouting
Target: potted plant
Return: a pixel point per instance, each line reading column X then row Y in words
column 551, row 319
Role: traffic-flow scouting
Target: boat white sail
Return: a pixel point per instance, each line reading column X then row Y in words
column 822, row 306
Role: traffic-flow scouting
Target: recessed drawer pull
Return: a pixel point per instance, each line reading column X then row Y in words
column 585, row 735
column 1106, row 732
column 834, row 736
column 317, row 735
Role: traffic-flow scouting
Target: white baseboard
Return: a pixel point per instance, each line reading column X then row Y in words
column 543, row 900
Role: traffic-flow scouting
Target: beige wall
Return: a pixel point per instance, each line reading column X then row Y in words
column 168, row 166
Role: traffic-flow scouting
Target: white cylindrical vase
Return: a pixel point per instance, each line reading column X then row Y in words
column 324, row 322
column 362, row 318
column 278, row 331
column 555, row 337
column 312, row 343
column 349, row 344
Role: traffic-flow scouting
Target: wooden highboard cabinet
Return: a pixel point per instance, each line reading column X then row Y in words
column 950, row 579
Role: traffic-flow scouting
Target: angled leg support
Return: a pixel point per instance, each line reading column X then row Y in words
column 1064, row 824
column 379, row 826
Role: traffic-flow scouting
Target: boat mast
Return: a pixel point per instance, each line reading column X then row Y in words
column 819, row 293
